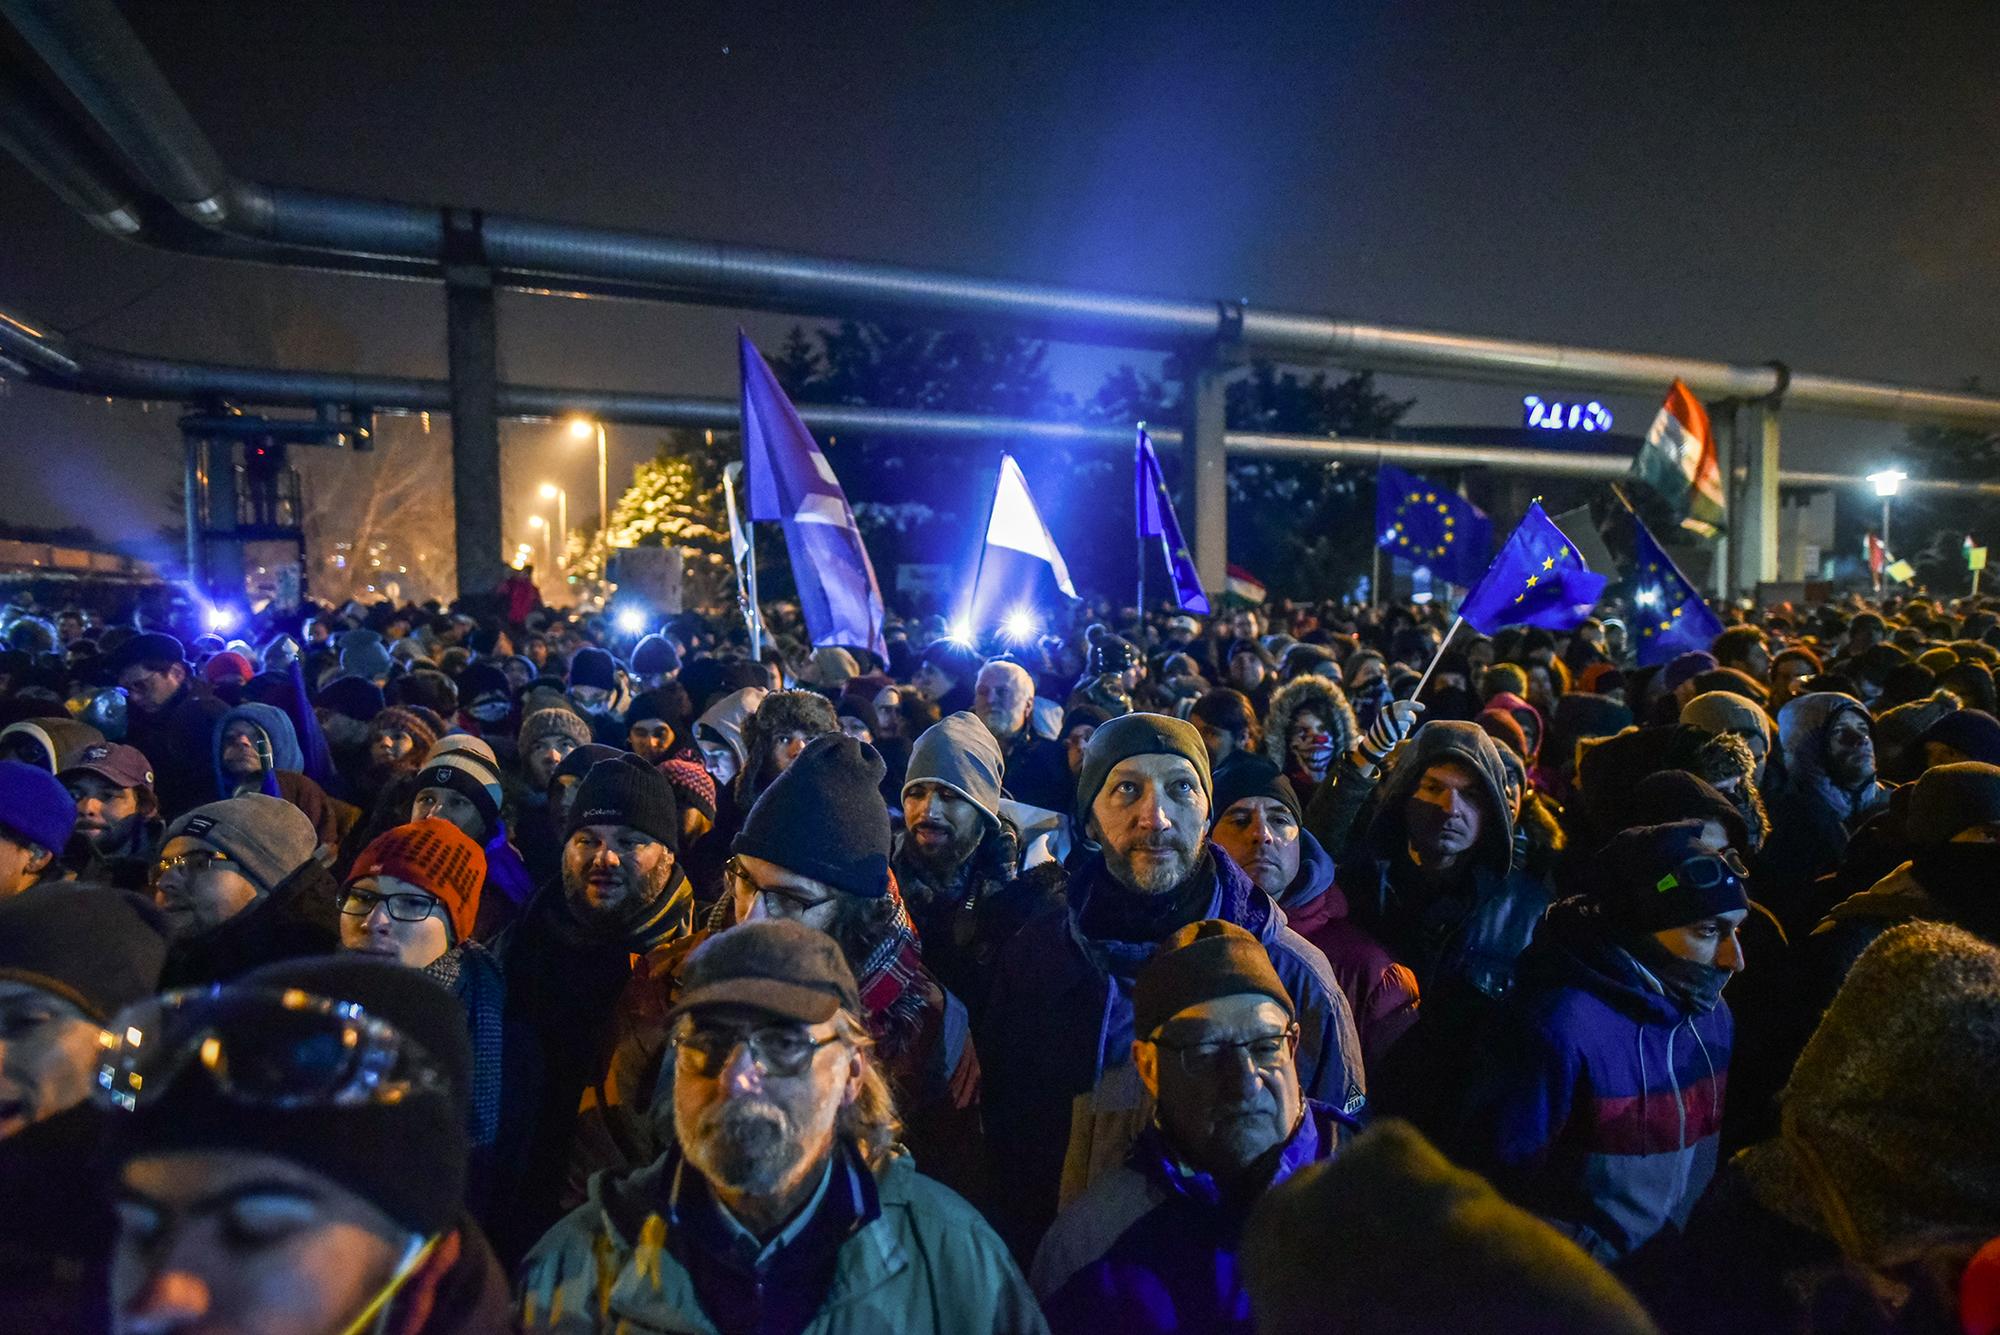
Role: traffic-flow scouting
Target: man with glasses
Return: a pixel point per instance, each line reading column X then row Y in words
column 287, row 1152
column 1600, row 1105
column 413, row 894
column 240, row 887
column 1151, row 1245
column 783, row 1203
column 172, row 720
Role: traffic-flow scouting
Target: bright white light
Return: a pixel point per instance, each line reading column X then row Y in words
column 960, row 630
column 582, row 428
column 222, row 619
column 1647, row 597
column 1888, row 481
column 549, row 491
column 1019, row 625
column 536, row 521
column 631, row 620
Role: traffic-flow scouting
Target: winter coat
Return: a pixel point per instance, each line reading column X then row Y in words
column 1313, row 694
column 1600, row 1107
column 919, row 1261
column 1152, row 1246
column 1811, row 818
column 1038, row 773
column 1381, row 992
column 55, row 1240
column 179, row 739
column 298, row 917
column 1059, row 1018
column 458, row 1290
column 564, row 979
column 1472, row 940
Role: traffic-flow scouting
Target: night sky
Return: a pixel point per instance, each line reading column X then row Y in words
column 1732, row 181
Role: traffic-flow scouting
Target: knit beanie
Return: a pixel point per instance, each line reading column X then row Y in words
column 661, row 705
column 592, row 666
column 483, row 682
column 399, row 718
column 363, row 654
column 1203, row 961
column 1676, row 795
column 654, row 654
column 433, row 855
column 408, row 1157
column 355, row 697
column 1888, row 1115
column 1442, row 1252
column 1686, row 668
column 1949, row 799
column 1132, row 735
column 693, row 785
column 266, row 837
column 1972, row 733
column 960, row 753
column 627, row 791
column 1641, row 890
column 824, row 818
column 472, row 753
column 455, row 774
column 227, row 667
column 1726, row 711
column 584, row 759
column 1503, row 728
column 152, row 648
column 1246, row 775
column 833, row 667
column 551, row 723
column 34, row 806
column 97, row 948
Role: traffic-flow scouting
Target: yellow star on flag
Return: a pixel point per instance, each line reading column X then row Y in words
column 1533, row 580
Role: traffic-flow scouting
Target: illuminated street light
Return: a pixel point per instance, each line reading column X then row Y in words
column 581, row 428
column 560, row 495
column 1888, row 481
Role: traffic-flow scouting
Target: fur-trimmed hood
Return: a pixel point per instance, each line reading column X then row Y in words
column 1321, row 697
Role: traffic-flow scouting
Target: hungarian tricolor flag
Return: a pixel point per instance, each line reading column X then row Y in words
column 1680, row 464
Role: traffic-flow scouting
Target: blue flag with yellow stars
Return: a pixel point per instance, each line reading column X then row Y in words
column 1537, row 580
column 1432, row 526
column 1157, row 520
column 1669, row 617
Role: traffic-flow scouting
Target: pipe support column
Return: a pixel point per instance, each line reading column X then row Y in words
column 473, row 348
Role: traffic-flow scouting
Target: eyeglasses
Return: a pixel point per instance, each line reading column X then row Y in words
column 358, row 903
column 777, row 1050
column 1267, row 1052
column 262, row 1048
column 1705, row 872
column 193, row 864
column 779, row 901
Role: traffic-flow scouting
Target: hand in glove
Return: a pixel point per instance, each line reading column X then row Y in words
column 1397, row 720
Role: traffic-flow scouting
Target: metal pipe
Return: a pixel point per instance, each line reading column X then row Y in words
column 91, row 48
column 37, row 132
column 85, row 368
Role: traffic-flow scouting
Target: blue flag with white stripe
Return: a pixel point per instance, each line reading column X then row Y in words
column 1021, row 577
column 789, row 480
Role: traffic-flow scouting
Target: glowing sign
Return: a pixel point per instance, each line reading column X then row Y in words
column 1559, row 416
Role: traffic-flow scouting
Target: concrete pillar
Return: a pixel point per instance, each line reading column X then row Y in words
column 1757, row 539
column 1722, row 575
column 472, row 337
column 1208, row 469
column 222, row 550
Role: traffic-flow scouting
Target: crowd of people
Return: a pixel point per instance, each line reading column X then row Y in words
column 401, row 969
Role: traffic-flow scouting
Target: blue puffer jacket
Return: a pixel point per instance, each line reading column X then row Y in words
column 1152, row 1246
column 1059, row 1017
column 1601, row 1103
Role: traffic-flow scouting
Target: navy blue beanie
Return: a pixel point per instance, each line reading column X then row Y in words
column 1973, row 733
column 593, row 667
column 1645, row 888
column 824, row 817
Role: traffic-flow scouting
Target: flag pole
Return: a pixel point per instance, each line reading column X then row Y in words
column 1138, row 522
column 1443, row 645
column 1375, row 544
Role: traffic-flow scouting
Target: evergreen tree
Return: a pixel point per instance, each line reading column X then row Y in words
column 675, row 500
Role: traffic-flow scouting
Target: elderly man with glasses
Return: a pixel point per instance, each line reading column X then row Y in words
column 1151, row 1245
column 784, row 1203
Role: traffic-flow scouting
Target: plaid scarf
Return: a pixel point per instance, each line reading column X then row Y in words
column 895, row 992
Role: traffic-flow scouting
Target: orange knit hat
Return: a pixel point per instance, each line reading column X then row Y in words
column 434, row 855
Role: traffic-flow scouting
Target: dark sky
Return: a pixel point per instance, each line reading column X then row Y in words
column 1723, row 180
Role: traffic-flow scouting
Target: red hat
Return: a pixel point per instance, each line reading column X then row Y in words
column 225, row 665
column 434, row 855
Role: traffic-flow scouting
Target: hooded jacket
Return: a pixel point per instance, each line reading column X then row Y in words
column 1152, row 1246
column 1521, row 710
column 279, row 750
column 1313, row 694
column 1059, row 1019
column 1470, row 938
column 1812, row 819
column 1381, row 992
column 1600, row 1106
column 726, row 718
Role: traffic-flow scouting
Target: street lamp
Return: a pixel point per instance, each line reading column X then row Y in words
column 1888, row 481
column 548, row 540
column 560, row 495
column 581, row 428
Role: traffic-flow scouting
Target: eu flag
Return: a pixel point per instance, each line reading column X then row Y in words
column 1669, row 617
column 1157, row 520
column 1537, row 580
column 1429, row 525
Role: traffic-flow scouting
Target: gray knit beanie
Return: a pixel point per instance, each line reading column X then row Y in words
column 1131, row 735
column 960, row 753
column 266, row 837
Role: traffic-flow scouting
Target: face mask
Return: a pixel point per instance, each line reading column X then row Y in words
column 1694, row 985
column 490, row 712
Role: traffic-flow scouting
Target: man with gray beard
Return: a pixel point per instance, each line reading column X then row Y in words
column 785, row 1202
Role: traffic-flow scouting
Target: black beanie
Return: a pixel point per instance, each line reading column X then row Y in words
column 627, row 791
column 467, row 785
column 593, row 667
column 97, row 948
column 409, row 1157
column 481, row 681
column 1247, row 775
column 1641, row 890
column 824, row 818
